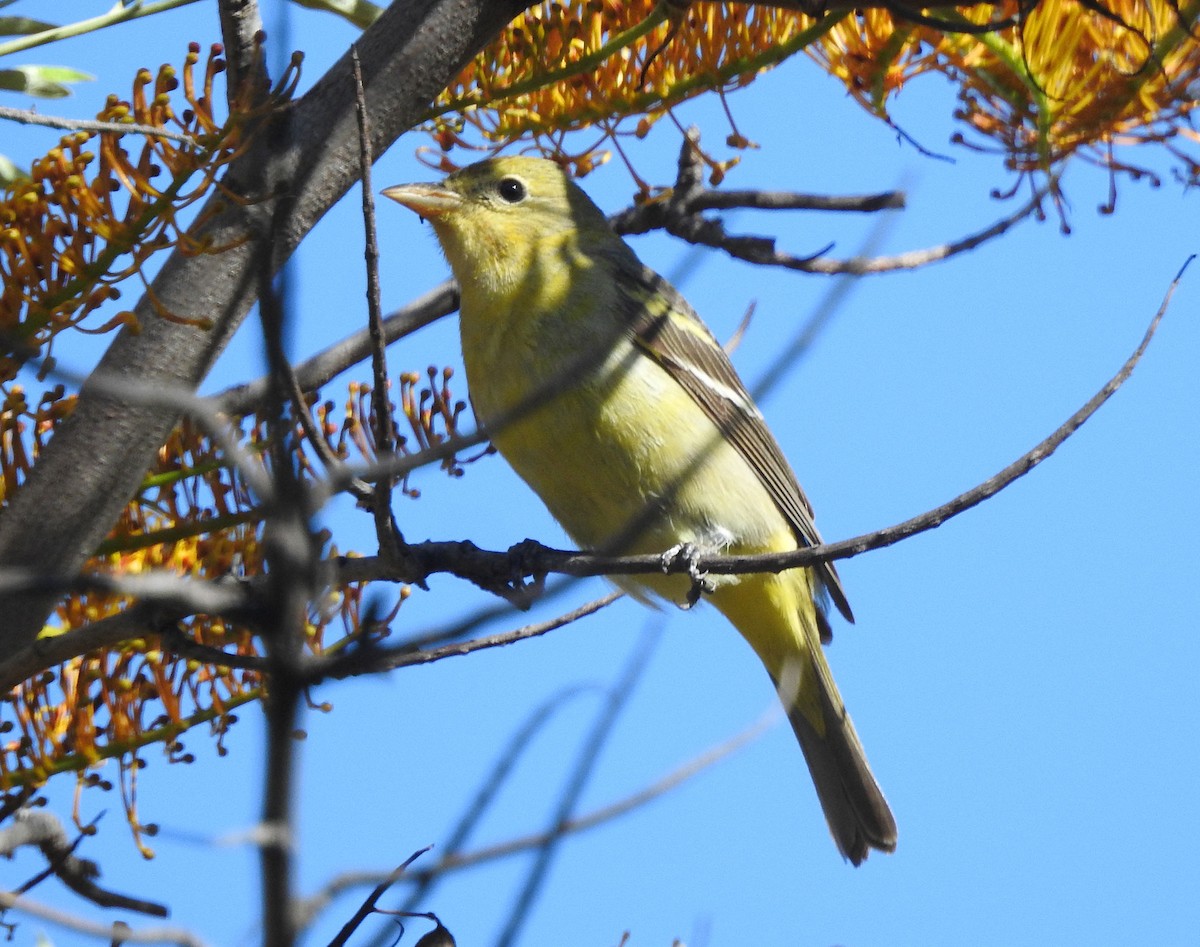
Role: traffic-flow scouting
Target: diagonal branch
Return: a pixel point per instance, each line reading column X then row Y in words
column 528, row 558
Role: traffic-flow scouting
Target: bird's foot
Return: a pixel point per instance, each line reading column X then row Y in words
column 683, row 558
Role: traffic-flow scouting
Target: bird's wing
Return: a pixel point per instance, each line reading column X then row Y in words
column 674, row 336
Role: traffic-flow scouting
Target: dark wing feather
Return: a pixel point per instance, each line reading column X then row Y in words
column 692, row 356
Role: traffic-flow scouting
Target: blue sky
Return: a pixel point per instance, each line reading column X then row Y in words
column 1023, row 677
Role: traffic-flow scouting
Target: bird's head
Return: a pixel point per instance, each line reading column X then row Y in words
column 498, row 218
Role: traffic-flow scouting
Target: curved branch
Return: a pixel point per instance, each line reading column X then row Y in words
column 532, row 559
column 605, row 813
column 409, row 653
column 589, row 820
column 681, row 216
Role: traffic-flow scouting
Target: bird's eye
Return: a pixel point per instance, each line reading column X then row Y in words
column 512, row 190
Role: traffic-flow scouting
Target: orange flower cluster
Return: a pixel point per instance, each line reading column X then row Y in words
column 24, row 430
column 432, row 413
column 1060, row 78
column 110, row 705
column 1063, row 79
column 562, row 67
column 193, row 517
column 67, row 240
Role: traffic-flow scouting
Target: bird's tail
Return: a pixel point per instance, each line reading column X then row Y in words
column 857, row 813
column 779, row 618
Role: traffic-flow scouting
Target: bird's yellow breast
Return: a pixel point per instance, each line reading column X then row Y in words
column 618, row 451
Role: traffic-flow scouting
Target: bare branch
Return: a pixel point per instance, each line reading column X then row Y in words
column 164, row 590
column 117, row 932
column 681, row 216
column 409, row 653
column 141, row 618
column 321, row 368
column 914, row 259
column 367, row 908
column 791, row 200
column 386, row 533
column 487, row 567
column 42, row 829
column 490, row 786
column 575, row 825
column 26, row 117
column 241, row 32
column 581, row 774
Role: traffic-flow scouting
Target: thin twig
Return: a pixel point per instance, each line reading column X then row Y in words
column 681, row 216
column 598, row 816
column 491, row 784
column 453, row 861
column 26, row 117
column 585, row 765
column 172, row 639
column 792, row 200
column 536, row 559
column 118, row 932
column 361, row 491
column 171, row 592
column 317, row 371
column 385, row 435
column 913, row 259
column 415, row 652
column 368, row 906
column 147, row 616
column 118, row 13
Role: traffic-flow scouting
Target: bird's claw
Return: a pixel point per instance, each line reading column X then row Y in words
column 687, row 554
column 526, row 580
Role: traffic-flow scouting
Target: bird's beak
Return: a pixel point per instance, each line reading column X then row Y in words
column 428, row 200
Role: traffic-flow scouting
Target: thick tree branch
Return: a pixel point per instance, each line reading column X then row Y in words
column 96, row 460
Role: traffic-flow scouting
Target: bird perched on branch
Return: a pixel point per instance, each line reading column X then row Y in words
column 602, row 388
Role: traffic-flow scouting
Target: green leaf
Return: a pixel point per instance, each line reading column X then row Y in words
column 22, row 26
column 10, row 173
column 362, row 13
column 46, row 82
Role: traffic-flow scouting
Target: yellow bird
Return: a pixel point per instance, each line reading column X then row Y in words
column 602, row 388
